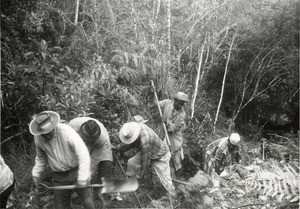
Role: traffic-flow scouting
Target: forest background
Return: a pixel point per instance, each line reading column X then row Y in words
column 237, row 60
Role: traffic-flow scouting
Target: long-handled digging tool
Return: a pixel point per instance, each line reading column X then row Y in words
column 165, row 129
column 123, row 171
column 160, row 114
column 108, row 186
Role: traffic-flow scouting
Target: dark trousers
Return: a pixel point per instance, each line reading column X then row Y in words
column 104, row 169
column 5, row 195
column 62, row 198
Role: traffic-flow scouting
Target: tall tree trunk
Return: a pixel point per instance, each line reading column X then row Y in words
column 223, row 83
column 111, row 14
column 134, row 19
column 169, row 36
column 197, row 82
column 76, row 12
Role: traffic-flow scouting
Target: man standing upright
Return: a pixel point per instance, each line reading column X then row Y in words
column 174, row 118
column 58, row 145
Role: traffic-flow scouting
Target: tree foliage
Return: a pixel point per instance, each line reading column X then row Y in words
column 102, row 66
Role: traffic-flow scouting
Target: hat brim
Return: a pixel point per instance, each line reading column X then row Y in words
column 33, row 128
column 137, row 129
column 181, row 99
column 88, row 137
column 139, row 119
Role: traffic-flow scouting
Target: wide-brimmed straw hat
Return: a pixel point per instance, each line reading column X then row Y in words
column 234, row 138
column 90, row 130
column 44, row 122
column 181, row 96
column 139, row 119
column 129, row 132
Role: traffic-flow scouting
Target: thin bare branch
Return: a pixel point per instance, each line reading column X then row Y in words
column 197, row 81
column 76, row 12
column 224, row 79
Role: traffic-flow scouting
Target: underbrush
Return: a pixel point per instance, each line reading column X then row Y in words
column 150, row 194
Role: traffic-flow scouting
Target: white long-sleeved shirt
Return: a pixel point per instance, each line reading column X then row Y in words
column 66, row 150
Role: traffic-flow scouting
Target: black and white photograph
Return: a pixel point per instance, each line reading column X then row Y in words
column 159, row 104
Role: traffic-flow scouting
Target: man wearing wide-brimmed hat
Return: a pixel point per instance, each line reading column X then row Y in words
column 96, row 138
column 153, row 152
column 59, row 145
column 221, row 153
column 174, row 118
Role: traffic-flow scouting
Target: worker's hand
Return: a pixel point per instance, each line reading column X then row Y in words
column 163, row 119
column 116, row 148
column 36, row 181
column 83, row 183
column 171, row 127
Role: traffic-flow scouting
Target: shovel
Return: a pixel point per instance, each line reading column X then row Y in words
column 108, row 186
column 160, row 114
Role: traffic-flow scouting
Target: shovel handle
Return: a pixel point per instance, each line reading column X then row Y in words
column 160, row 114
column 70, row 186
column 181, row 182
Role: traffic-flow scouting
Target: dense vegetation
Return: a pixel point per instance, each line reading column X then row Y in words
column 98, row 61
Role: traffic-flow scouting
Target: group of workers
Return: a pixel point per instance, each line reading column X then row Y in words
column 78, row 150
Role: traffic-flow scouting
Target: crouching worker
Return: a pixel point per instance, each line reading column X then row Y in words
column 96, row 138
column 62, row 148
column 221, row 153
column 152, row 152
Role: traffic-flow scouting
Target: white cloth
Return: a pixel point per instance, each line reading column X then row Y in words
column 163, row 171
column 66, row 150
column 160, row 166
column 6, row 176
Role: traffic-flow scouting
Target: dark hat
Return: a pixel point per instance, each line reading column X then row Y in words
column 44, row 122
column 90, row 129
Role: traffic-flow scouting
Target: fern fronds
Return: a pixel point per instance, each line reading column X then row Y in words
column 281, row 182
column 128, row 73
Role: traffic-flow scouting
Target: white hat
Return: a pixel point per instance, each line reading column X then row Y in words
column 234, row 138
column 181, row 96
column 129, row 132
column 139, row 119
column 44, row 122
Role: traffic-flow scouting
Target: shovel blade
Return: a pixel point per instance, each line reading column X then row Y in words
column 119, row 185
